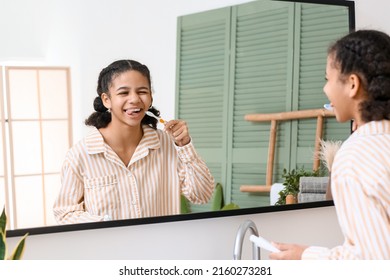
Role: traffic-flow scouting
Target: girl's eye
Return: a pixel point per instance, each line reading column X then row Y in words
column 143, row 92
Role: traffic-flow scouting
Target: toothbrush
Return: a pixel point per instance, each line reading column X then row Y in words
column 150, row 114
column 328, row 107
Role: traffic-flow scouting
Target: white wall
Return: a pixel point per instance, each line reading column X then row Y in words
column 88, row 35
column 373, row 14
column 195, row 239
column 87, row 46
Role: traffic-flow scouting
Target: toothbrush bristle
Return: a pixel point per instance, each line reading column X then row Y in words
column 154, row 116
column 328, row 107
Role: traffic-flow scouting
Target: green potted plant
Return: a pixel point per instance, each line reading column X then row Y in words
column 291, row 182
column 19, row 249
column 217, row 202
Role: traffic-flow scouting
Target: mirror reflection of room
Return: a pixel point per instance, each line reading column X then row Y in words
column 233, row 59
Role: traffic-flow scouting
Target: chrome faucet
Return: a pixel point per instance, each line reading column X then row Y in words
column 248, row 224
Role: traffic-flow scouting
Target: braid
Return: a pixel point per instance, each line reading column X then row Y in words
column 367, row 54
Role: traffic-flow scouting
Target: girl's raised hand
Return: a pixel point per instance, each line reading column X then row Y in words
column 178, row 129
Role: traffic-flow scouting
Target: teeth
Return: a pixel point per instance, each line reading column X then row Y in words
column 130, row 111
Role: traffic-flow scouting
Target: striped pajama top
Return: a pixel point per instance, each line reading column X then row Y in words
column 361, row 194
column 96, row 184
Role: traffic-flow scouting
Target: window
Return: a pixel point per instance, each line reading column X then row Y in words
column 35, row 135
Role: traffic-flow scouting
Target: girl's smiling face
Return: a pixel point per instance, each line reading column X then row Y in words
column 338, row 90
column 129, row 97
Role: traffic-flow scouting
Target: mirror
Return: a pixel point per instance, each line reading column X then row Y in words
column 88, row 35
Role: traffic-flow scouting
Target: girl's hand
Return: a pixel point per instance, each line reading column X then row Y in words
column 178, row 130
column 287, row 251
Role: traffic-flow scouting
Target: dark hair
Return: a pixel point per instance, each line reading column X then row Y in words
column 366, row 53
column 102, row 117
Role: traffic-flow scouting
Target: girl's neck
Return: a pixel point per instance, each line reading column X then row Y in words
column 122, row 137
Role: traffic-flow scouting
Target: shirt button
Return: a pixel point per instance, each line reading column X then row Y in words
column 133, row 202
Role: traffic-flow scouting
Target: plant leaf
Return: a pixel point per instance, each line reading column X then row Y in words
column 3, row 221
column 230, row 206
column 3, row 246
column 19, row 249
column 184, row 205
column 218, row 198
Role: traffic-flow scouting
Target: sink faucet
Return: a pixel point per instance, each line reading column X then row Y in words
column 248, row 224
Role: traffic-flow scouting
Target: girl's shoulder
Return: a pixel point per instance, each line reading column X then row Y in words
column 92, row 143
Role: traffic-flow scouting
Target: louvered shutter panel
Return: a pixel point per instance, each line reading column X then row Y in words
column 316, row 27
column 202, row 75
column 262, row 49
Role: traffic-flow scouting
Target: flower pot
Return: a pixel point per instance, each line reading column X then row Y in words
column 291, row 199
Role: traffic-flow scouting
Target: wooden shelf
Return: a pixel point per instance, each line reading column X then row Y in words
column 293, row 115
column 275, row 118
column 255, row 188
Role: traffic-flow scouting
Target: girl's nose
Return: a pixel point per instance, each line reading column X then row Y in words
column 133, row 97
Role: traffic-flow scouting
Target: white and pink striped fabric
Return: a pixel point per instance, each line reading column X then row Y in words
column 96, row 184
column 361, row 193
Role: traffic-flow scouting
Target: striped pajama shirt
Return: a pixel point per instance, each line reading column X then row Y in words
column 96, row 184
column 361, row 194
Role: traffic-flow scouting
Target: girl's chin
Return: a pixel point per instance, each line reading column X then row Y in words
column 341, row 119
column 130, row 122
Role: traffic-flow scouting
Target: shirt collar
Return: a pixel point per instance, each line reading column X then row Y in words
column 374, row 127
column 95, row 143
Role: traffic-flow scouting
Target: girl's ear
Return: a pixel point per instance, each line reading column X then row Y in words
column 354, row 84
column 106, row 100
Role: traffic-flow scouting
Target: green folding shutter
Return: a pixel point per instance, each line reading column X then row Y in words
column 202, row 75
column 261, row 82
column 316, row 27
